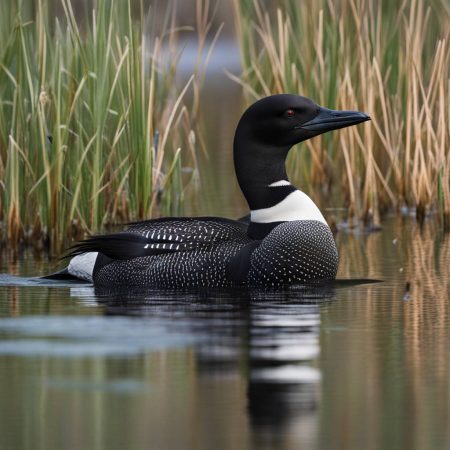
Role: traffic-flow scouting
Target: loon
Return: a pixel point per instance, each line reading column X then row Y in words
column 284, row 241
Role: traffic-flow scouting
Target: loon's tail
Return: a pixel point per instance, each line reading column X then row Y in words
column 84, row 254
column 63, row 275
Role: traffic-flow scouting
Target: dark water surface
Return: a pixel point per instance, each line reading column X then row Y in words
column 355, row 367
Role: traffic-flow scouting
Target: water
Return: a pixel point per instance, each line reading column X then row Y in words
column 353, row 367
column 363, row 366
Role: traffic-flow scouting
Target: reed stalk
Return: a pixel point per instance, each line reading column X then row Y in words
column 81, row 109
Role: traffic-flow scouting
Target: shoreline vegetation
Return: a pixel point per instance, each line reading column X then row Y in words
column 390, row 59
column 92, row 125
column 94, row 130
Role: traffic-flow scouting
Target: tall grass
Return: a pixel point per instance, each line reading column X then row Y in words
column 116, row 120
column 390, row 59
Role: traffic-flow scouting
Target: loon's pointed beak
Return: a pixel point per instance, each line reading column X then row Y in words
column 327, row 120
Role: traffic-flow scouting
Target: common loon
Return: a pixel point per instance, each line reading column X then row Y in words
column 285, row 240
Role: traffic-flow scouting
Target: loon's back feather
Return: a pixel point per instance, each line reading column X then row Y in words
column 159, row 236
column 220, row 256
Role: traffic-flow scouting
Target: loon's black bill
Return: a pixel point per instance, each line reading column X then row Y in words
column 328, row 120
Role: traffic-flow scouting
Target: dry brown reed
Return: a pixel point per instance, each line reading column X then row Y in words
column 389, row 59
column 109, row 100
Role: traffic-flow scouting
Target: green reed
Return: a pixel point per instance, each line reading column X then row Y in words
column 390, row 59
column 116, row 121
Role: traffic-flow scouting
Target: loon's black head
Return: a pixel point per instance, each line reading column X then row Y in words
column 266, row 132
column 284, row 120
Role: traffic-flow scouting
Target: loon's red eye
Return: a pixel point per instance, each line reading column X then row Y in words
column 290, row 113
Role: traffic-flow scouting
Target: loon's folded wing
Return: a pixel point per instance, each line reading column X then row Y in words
column 158, row 236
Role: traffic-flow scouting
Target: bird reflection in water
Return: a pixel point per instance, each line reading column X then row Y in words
column 271, row 339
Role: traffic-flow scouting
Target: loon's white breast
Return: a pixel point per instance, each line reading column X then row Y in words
column 295, row 206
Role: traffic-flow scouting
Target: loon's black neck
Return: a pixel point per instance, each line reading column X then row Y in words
column 257, row 166
column 265, row 134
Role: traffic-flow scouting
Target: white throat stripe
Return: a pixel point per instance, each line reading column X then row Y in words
column 280, row 183
column 295, row 206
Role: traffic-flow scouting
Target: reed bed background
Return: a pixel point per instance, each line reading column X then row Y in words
column 390, row 59
column 105, row 93
column 91, row 125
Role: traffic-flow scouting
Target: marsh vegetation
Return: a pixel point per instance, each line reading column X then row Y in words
column 95, row 130
column 91, row 124
column 390, row 59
